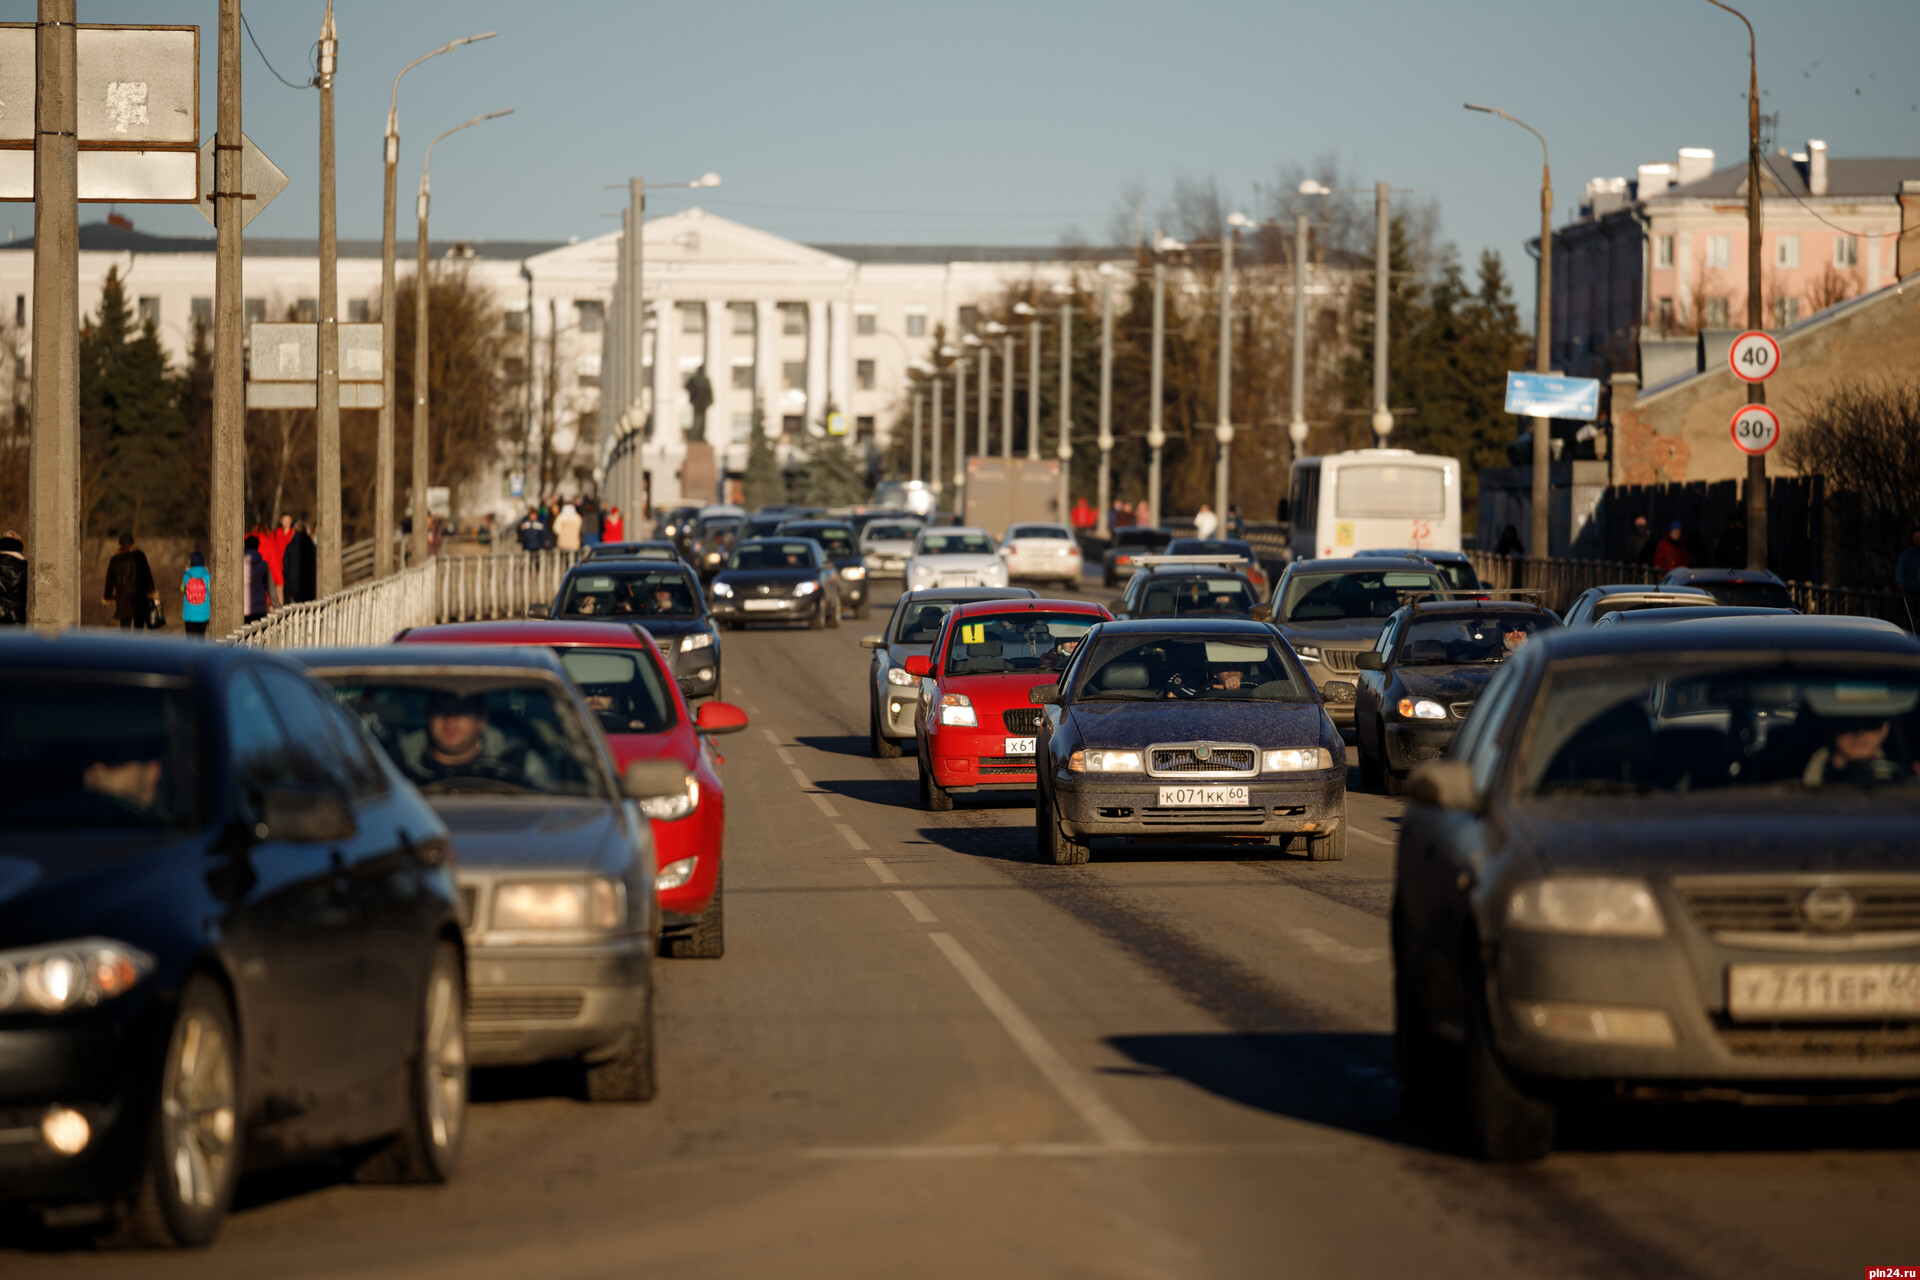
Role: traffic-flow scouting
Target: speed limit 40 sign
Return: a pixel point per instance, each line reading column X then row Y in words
column 1756, row 429
column 1754, row 356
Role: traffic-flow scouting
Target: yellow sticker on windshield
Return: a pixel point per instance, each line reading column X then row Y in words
column 975, row 633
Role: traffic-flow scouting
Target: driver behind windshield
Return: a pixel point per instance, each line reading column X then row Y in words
column 459, row 742
column 1461, row 641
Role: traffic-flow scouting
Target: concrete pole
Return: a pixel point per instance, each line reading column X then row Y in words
column 326, row 510
column 1540, row 534
column 389, row 328
column 1382, row 279
column 1106, row 404
column 919, row 404
column 1156, row 434
column 1033, row 389
column 1064, row 450
column 1223, row 429
column 1756, row 311
column 636, row 300
column 226, row 525
column 53, row 457
column 1006, row 395
column 959, row 431
column 939, row 419
column 1297, row 421
column 982, row 444
column 417, row 542
column 526, row 440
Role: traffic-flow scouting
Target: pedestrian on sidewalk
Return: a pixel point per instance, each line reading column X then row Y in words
column 532, row 530
column 256, row 583
column 1639, row 541
column 1120, row 515
column 1236, row 523
column 300, row 567
column 130, row 586
column 566, row 528
column 1205, row 523
column 1509, row 544
column 196, row 591
column 1142, row 514
column 1672, row 552
column 13, row 580
column 1731, row 551
column 614, row 528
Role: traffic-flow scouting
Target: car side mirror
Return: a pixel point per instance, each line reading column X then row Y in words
column 1044, row 695
column 309, row 815
column 1340, row 691
column 919, row 664
column 873, row 642
column 653, row 779
column 1370, row 660
column 1444, row 784
column 539, row 610
column 719, row 717
column 1261, row 612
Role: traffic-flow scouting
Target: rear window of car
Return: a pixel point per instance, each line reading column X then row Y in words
column 1765, row 595
column 1039, row 531
column 654, row 593
column 86, row 754
column 774, row 555
column 623, row 688
column 1167, row 596
column 1332, row 597
column 1141, row 537
column 953, row 544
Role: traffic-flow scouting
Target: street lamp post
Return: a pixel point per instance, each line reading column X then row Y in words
column 1005, row 335
column 1223, row 430
column 1297, row 421
column 959, row 359
column 1103, row 528
column 1382, row 279
column 383, row 441
column 326, row 514
column 984, row 354
column 417, row 545
column 1064, row 451
column 1033, row 377
column 1156, row 433
column 919, row 401
column 1538, row 541
column 939, row 419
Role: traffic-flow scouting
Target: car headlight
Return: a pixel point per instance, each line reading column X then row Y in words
column 994, row 571
column 553, row 906
column 922, row 570
column 667, row 808
column 957, row 709
column 806, row 588
column 1297, row 760
column 674, row 874
column 697, row 640
column 1104, row 762
column 853, row 572
column 1420, row 709
column 69, row 975
column 723, row 590
column 713, row 557
column 1307, row 652
column 902, row 676
column 1597, row 906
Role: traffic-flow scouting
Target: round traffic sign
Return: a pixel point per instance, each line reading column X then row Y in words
column 1755, row 429
column 1753, row 356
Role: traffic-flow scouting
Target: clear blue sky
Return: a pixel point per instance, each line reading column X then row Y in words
column 1022, row 123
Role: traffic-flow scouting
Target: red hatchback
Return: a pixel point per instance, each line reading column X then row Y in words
column 975, row 727
column 630, row 687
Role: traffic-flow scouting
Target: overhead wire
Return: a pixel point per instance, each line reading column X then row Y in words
column 270, row 67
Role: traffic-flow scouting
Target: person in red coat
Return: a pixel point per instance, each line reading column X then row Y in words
column 614, row 527
column 1084, row 516
column 1672, row 551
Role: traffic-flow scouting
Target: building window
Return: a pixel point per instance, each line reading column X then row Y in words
column 793, row 376
column 916, row 322
column 745, row 323
column 256, row 309
column 969, row 319
column 1713, row 313
column 516, row 319
column 358, row 311
column 1664, row 312
column 863, row 374
column 742, row 426
column 793, row 319
column 149, row 310
column 863, row 428
column 865, row 322
column 1663, row 251
column 743, row 377
column 307, row 311
column 1786, row 252
column 590, row 314
column 201, row 309
column 1719, row 251
column 1846, row 251
column 693, row 316
column 1786, row 312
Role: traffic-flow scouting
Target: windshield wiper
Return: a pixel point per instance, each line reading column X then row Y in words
column 1121, row 695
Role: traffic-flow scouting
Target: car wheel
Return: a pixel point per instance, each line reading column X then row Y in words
column 708, row 938
column 628, row 1076
column 833, row 619
column 933, row 797
column 428, row 1147
column 1503, row 1121
column 1331, row 847
column 882, row 747
column 1419, row 1059
column 860, row 610
column 1396, row 783
column 1064, row 850
column 194, row 1143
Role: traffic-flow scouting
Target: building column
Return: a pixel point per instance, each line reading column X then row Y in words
column 667, row 448
column 766, row 369
column 840, row 358
column 816, row 360
column 720, row 374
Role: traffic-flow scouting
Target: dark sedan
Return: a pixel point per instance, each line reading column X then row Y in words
column 1666, row 863
column 777, row 580
column 1116, row 563
column 1200, row 730
column 843, row 548
column 663, row 598
column 1332, row 611
column 1416, row 686
column 207, row 875
column 713, row 539
column 1188, row 591
column 1754, row 587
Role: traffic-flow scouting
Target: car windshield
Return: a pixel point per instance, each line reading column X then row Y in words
column 1053, row 531
column 1765, row 595
column 487, row 738
column 1026, row 641
column 762, row 527
column 722, row 530
column 1187, row 597
column 1236, row 668
column 953, row 544
column 1482, row 637
column 95, row 754
column 1651, row 727
column 774, row 555
column 838, row 542
column 891, row 532
column 1331, row 597
column 648, row 593
column 623, row 688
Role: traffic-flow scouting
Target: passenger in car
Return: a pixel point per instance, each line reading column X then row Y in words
column 1855, row 755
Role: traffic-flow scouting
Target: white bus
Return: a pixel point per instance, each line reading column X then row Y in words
column 1345, row 503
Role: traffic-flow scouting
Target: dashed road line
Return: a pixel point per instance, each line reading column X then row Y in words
column 1333, row 949
column 878, row 867
column 916, row 908
column 852, row 837
column 772, row 737
column 826, row 806
column 786, row 756
column 1368, row 835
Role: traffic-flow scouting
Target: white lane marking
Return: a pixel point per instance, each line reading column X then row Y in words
column 786, row 756
column 825, row 806
column 1108, row 1125
column 878, row 867
column 1067, row 1150
column 805, row 783
column 772, row 737
column 1368, row 835
column 852, row 837
column 915, row 908
column 1334, row 949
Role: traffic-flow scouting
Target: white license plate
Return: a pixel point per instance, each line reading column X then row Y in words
column 1020, row 746
column 1202, row 797
column 1779, row 992
column 958, row 582
column 894, row 565
column 764, row 606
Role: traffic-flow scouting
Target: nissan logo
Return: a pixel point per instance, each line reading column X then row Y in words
column 1828, row 907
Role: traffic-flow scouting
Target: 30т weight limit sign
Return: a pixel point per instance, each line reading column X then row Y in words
column 1753, row 356
column 1756, row 429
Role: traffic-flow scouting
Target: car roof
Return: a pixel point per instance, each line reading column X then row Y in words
column 533, row 631
column 802, row 525
column 1646, row 588
column 611, row 563
column 1413, row 553
column 1680, row 576
column 1467, row 608
column 978, row 607
column 1179, row 626
column 103, row 650
column 1682, row 613
column 617, row 550
column 463, row 657
column 967, row 594
column 1039, row 524
column 955, row 528
column 1359, row 564
column 1735, row 634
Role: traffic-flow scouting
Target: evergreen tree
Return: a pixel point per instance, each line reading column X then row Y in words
column 766, row 483
column 132, row 434
column 193, row 398
column 831, row 473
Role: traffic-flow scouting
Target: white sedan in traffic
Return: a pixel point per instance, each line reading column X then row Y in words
column 1044, row 551
column 948, row 557
column 885, row 546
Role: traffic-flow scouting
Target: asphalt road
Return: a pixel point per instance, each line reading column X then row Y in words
column 926, row 1054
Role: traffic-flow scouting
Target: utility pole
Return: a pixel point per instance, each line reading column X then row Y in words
column 636, row 316
column 1064, row 451
column 1105, row 440
column 1297, row 422
column 326, row 509
column 53, row 457
column 226, row 524
column 939, row 419
column 526, row 440
column 982, row 443
column 959, row 426
column 1382, row 278
column 1006, row 395
column 1223, row 430
column 1156, row 436
column 1033, row 385
column 919, row 401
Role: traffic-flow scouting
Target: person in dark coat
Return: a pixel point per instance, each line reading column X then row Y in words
column 13, row 580
column 1731, row 551
column 1509, row 544
column 300, row 566
column 256, row 583
column 1639, row 541
column 129, row 585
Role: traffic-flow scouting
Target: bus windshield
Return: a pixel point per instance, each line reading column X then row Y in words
column 1390, row 491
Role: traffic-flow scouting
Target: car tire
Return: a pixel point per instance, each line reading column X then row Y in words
column 1331, row 847
column 1419, row 1059
column 933, row 797
column 627, row 1076
column 818, row 622
column 878, row 743
column 1062, row 849
column 427, row 1148
column 196, row 1130
column 1396, row 783
column 860, row 610
column 1504, row 1122
column 707, row 940
column 833, row 618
